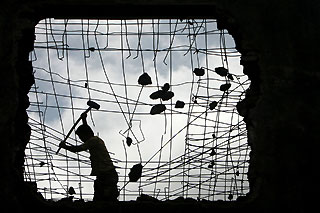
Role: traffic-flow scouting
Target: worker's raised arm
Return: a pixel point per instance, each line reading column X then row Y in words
column 84, row 118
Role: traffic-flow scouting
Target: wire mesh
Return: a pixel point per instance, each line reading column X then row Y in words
column 197, row 147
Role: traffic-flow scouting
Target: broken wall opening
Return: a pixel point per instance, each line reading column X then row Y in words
column 192, row 144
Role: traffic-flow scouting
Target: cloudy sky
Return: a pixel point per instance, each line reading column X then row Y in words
column 78, row 60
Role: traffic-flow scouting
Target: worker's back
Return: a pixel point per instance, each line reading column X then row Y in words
column 99, row 156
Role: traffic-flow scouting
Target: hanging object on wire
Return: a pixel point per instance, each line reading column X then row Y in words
column 179, row 104
column 128, row 141
column 157, row 109
column 225, row 87
column 144, row 79
column 221, row 71
column 164, row 93
column 135, row 173
column 198, row 71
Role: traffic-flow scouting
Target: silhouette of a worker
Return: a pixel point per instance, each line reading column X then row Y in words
column 105, row 185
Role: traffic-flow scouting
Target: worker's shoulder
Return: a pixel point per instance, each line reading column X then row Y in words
column 95, row 139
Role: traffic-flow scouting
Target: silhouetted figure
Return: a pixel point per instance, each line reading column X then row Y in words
column 105, row 185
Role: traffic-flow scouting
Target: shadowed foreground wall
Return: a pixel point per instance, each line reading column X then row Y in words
column 279, row 43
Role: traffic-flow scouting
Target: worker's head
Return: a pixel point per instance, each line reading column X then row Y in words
column 84, row 132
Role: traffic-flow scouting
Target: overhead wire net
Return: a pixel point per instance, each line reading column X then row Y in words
column 191, row 142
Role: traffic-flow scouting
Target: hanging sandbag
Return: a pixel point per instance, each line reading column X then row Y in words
column 157, row 109
column 225, row 87
column 221, row 71
column 179, row 104
column 166, row 87
column 164, row 93
column 213, row 105
column 157, row 94
column 213, row 152
column 144, row 79
column 167, row 96
column 198, row 71
column 128, row 141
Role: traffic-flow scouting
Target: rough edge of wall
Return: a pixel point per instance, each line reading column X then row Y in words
column 263, row 32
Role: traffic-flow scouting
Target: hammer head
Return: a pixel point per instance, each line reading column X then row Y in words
column 93, row 104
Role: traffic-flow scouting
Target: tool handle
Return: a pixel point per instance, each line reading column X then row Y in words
column 72, row 128
column 58, row 150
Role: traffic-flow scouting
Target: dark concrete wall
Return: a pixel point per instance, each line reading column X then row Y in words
column 279, row 43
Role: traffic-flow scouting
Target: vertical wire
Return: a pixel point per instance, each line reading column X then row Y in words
column 224, row 59
column 28, row 166
column 240, row 152
column 31, row 155
column 171, row 123
column 229, row 149
column 158, row 168
column 224, row 48
column 71, row 102
column 124, row 74
column 227, row 64
column 53, row 86
column 70, row 93
column 156, row 49
column 143, row 70
column 125, row 170
column 54, row 40
column 127, row 40
column 44, row 139
column 155, row 45
column 195, row 34
column 86, row 68
column 140, row 31
column 215, row 148
column 207, row 104
column 190, row 109
column 196, row 52
column 221, row 50
column 107, row 34
column 139, row 49
column 51, row 78
column 207, row 64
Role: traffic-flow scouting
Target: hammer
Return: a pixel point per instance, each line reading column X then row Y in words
column 91, row 105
